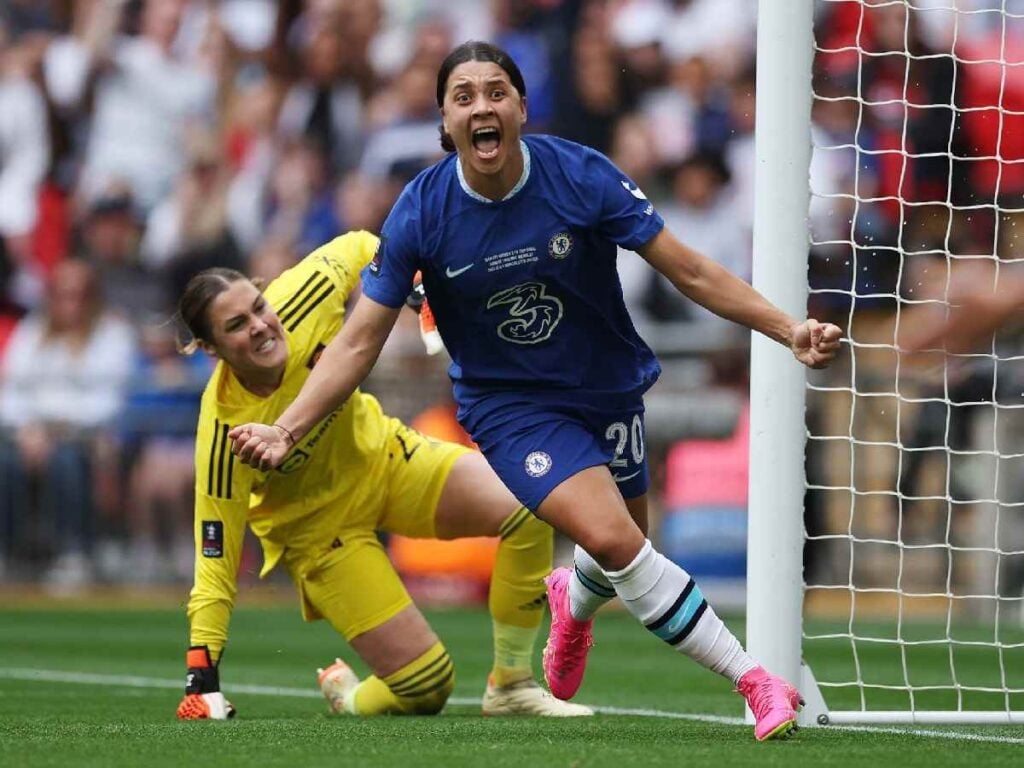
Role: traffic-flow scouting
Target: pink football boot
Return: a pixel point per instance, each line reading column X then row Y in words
column 773, row 701
column 569, row 641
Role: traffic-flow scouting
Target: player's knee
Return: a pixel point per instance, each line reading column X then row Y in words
column 613, row 547
column 429, row 702
column 428, row 705
column 424, row 686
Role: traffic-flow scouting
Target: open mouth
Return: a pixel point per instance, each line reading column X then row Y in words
column 486, row 142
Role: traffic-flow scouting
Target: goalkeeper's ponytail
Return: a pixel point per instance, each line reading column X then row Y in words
column 195, row 302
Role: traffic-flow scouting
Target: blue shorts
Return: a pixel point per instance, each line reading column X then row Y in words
column 534, row 445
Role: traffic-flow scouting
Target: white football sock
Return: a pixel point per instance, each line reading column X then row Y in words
column 589, row 588
column 670, row 604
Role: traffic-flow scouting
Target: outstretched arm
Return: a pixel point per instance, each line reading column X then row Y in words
column 709, row 284
column 344, row 364
column 977, row 310
column 219, row 529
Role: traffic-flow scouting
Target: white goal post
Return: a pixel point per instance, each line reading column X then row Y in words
column 911, row 616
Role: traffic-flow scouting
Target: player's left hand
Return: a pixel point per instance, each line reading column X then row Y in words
column 260, row 445
column 205, row 706
column 203, row 699
column 815, row 344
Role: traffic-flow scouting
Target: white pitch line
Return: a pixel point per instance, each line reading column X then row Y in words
column 132, row 681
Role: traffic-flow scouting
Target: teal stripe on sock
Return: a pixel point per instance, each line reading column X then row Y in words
column 671, row 628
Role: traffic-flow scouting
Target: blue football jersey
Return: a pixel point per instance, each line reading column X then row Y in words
column 525, row 290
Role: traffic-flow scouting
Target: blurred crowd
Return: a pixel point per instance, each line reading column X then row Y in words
column 144, row 140
column 917, row 182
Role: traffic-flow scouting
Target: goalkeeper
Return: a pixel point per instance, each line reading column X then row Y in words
column 356, row 472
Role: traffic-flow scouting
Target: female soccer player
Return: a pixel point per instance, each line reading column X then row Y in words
column 355, row 472
column 516, row 238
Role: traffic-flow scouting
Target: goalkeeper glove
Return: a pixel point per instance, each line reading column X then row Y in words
column 417, row 300
column 417, row 295
column 203, row 699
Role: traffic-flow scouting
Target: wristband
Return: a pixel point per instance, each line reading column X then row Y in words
column 288, row 434
column 203, row 676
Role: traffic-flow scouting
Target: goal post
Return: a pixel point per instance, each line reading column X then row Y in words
column 915, row 611
column 782, row 151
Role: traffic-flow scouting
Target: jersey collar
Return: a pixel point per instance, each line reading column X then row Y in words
column 511, row 193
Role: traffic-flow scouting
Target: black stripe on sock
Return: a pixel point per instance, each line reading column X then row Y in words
column 284, row 307
column 685, row 631
column 213, row 451
column 511, row 519
column 415, row 687
column 598, row 589
column 436, row 686
column 309, row 293
column 311, row 307
column 675, row 607
column 428, row 670
column 513, row 523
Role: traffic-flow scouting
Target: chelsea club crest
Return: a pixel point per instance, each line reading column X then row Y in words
column 537, row 464
column 560, row 245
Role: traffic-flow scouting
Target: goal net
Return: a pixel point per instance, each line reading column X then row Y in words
column 913, row 558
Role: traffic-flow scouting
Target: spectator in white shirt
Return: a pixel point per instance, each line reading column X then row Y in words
column 63, row 383
column 24, row 158
column 143, row 100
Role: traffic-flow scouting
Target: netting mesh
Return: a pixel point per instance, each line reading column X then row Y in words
column 914, row 558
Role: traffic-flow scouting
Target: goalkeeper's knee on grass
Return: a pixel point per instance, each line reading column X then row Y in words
column 419, row 688
column 203, row 699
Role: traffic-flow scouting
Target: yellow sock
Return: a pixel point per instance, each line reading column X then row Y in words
column 517, row 595
column 513, row 653
column 372, row 697
column 421, row 687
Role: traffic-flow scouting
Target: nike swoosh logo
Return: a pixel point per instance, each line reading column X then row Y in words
column 619, row 479
column 456, row 272
column 634, row 191
column 676, row 624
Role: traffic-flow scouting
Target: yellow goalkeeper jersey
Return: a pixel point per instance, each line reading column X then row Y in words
column 333, row 469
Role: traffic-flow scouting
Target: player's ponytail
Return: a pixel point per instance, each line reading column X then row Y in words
column 194, row 305
column 446, row 140
column 474, row 50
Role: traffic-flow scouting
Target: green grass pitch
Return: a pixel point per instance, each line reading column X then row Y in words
column 52, row 715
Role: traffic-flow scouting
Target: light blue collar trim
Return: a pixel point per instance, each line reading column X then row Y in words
column 512, row 192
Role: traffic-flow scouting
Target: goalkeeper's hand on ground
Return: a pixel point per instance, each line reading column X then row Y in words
column 203, row 699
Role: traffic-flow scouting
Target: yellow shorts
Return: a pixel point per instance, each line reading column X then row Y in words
column 353, row 584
